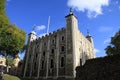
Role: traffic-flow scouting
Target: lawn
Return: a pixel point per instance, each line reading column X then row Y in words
column 10, row 77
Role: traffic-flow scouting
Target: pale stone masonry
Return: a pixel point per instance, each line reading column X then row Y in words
column 2, row 61
column 57, row 54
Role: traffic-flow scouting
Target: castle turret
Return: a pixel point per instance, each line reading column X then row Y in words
column 89, row 37
column 32, row 36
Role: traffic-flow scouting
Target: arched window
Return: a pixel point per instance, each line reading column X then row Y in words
column 52, row 51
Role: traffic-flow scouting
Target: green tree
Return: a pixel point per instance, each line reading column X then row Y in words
column 12, row 39
column 114, row 47
column 9, row 62
column 3, row 18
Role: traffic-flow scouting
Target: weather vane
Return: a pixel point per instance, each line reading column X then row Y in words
column 71, row 10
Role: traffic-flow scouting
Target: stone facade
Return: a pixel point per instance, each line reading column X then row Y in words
column 2, row 64
column 57, row 54
column 16, row 60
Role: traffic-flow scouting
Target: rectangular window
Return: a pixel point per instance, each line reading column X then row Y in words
column 62, row 62
column 44, row 43
column 43, row 53
column 35, row 65
column 62, row 38
column 51, row 63
column 42, row 66
column 36, row 55
column 53, row 41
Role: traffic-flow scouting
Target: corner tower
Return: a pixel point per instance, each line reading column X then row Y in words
column 89, row 37
column 71, row 32
column 32, row 36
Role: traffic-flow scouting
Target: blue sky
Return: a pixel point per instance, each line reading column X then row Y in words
column 101, row 17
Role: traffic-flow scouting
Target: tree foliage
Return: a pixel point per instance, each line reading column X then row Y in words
column 114, row 47
column 9, row 62
column 12, row 39
column 3, row 18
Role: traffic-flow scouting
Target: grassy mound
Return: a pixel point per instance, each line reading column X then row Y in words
column 10, row 77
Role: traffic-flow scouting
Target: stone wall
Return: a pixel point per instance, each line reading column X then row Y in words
column 106, row 68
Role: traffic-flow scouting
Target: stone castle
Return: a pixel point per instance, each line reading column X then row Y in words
column 56, row 55
column 7, row 68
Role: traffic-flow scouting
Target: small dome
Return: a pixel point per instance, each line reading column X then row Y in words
column 33, row 32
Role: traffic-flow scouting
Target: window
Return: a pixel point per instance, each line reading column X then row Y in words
column 36, row 55
column 51, row 63
column 52, row 51
column 42, row 66
column 53, row 41
column 62, row 62
column 30, row 56
column 62, row 38
column 43, row 53
column 44, row 43
column 62, row 48
column 35, row 65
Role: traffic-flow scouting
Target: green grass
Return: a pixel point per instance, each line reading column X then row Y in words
column 10, row 77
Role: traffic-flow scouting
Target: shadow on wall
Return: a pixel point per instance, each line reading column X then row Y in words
column 106, row 68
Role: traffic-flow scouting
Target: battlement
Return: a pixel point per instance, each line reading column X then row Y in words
column 50, row 34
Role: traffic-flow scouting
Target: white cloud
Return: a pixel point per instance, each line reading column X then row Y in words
column 105, row 29
column 93, row 7
column 107, row 41
column 42, row 27
column 96, row 50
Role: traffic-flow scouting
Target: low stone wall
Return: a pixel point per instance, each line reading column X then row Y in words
column 106, row 68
